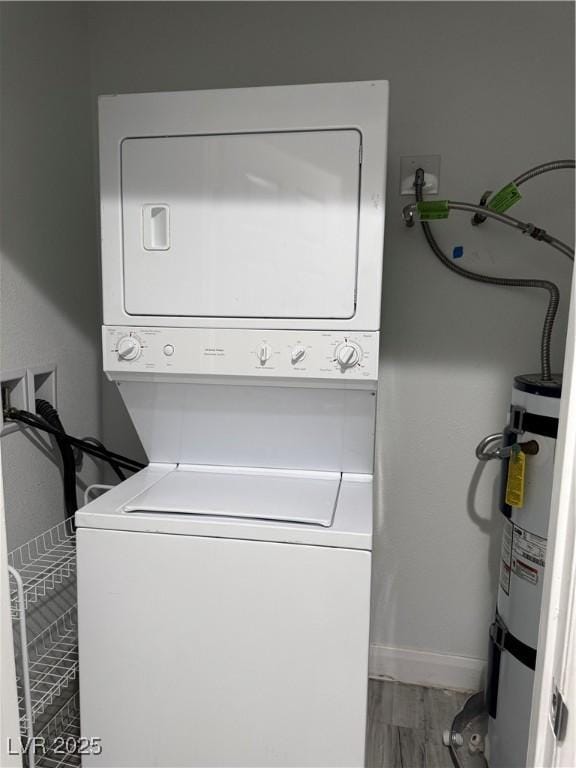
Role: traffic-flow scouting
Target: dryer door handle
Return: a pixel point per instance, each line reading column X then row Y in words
column 156, row 227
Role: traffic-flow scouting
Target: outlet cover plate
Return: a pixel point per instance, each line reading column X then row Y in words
column 42, row 384
column 408, row 167
column 16, row 382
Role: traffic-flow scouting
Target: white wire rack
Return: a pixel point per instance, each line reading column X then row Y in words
column 52, row 661
column 42, row 563
column 61, row 738
column 48, row 664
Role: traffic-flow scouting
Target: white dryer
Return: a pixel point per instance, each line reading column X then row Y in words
column 224, row 591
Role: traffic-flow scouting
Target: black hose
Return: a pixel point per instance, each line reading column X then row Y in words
column 47, row 412
column 546, row 285
column 31, row 420
column 113, row 464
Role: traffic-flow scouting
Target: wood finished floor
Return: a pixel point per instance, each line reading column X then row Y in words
column 405, row 724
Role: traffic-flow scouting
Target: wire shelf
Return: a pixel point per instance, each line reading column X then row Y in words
column 53, row 662
column 43, row 562
column 61, row 736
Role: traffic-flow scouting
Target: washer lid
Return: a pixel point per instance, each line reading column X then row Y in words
column 351, row 526
column 257, row 494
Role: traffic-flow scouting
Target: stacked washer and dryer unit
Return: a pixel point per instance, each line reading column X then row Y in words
column 224, row 591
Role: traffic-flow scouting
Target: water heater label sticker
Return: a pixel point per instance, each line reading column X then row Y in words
column 528, row 555
column 506, row 561
column 526, row 572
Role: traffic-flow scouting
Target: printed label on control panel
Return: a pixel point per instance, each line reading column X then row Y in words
column 506, row 558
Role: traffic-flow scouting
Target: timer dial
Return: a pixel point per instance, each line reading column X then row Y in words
column 128, row 348
column 348, row 355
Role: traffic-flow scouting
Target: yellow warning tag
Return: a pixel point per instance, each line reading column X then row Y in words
column 516, row 477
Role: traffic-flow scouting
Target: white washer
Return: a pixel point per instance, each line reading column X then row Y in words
column 226, row 633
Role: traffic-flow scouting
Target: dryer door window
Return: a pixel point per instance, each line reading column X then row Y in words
column 242, row 225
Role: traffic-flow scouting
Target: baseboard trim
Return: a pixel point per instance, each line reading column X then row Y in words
column 426, row 668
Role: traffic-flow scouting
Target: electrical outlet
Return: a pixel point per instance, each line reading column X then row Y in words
column 14, row 395
column 408, row 167
column 42, row 384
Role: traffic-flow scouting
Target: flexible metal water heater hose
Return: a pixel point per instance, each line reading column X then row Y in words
column 531, row 173
column 546, row 285
column 554, row 165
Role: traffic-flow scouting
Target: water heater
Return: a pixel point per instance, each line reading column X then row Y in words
column 527, row 451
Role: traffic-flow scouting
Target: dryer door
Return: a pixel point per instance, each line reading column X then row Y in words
column 241, row 225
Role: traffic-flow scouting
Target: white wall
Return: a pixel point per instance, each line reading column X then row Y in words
column 49, row 296
column 489, row 87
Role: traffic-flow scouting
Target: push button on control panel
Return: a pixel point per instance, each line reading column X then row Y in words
column 168, row 350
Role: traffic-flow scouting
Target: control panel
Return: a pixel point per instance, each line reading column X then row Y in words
column 236, row 352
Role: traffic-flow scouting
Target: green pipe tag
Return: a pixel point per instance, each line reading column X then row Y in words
column 505, row 198
column 433, row 209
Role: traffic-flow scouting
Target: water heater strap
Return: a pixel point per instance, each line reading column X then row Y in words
column 547, row 426
column 501, row 640
column 524, row 421
column 505, row 640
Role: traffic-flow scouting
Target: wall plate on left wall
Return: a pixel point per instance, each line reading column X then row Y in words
column 15, row 394
column 20, row 389
column 42, row 384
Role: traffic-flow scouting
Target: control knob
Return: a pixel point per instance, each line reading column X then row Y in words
column 128, row 348
column 298, row 353
column 264, row 353
column 348, row 355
